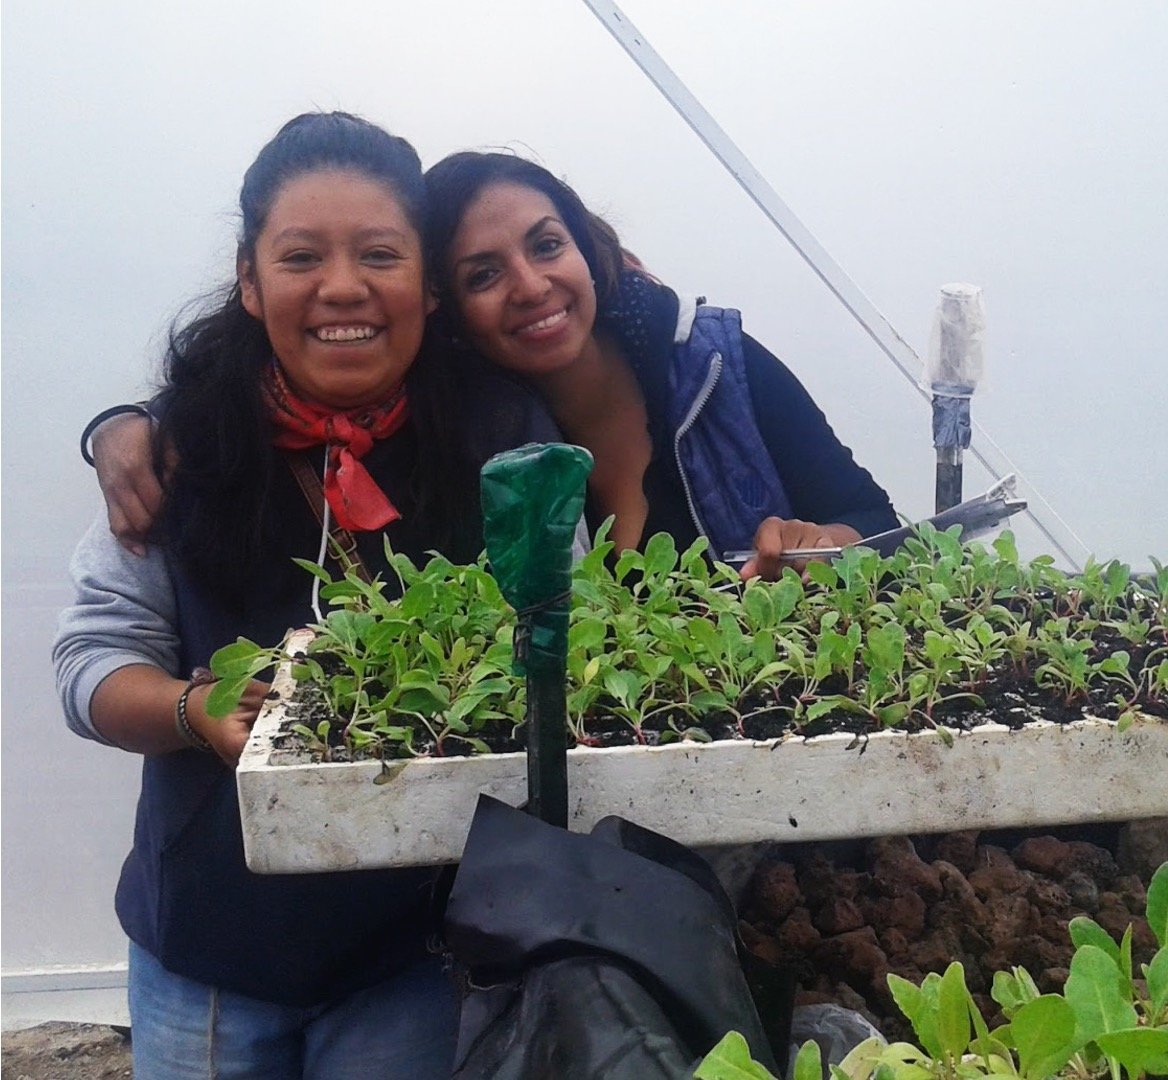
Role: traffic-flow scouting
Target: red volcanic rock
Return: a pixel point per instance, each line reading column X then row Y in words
column 853, row 954
column 1132, row 892
column 934, row 952
column 905, row 912
column 1040, row 954
column 1143, row 847
column 846, row 928
column 1008, row 918
column 990, row 855
column 896, row 867
column 838, row 916
column 1048, row 895
column 776, row 891
column 894, row 944
column 797, row 934
column 1143, row 939
column 1092, row 859
column 959, row 848
column 1113, row 915
column 955, row 885
column 998, row 880
column 817, row 880
column 849, row 999
column 960, row 908
column 816, row 997
column 1044, row 855
column 1052, row 980
column 850, row 883
column 1051, row 927
column 1082, row 891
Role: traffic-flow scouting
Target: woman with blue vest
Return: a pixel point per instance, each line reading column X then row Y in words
column 694, row 427
column 300, row 393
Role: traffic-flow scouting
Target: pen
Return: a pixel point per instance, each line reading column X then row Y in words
column 793, row 553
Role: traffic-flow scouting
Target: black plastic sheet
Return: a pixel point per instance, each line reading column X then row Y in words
column 592, row 957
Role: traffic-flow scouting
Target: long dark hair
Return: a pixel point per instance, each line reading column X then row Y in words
column 213, row 416
column 457, row 180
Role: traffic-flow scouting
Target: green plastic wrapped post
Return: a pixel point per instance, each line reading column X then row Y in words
column 532, row 500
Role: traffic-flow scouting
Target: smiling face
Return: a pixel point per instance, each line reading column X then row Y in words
column 337, row 280
column 524, row 293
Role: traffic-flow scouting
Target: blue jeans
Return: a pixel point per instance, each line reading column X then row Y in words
column 182, row 1030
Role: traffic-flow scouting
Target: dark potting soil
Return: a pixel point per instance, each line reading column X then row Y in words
column 844, row 915
column 1005, row 698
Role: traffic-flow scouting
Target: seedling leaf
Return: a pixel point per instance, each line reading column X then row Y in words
column 1086, row 931
column 808, row 1062
column 1099, row 994
column 241, row 657
column 1141, row 1051
column 224, row 696
column 1044, row 1033
column 1158, row 904
column 1156, row 974
column 730, row 1060
column 920, row 1005
column 953, row 1012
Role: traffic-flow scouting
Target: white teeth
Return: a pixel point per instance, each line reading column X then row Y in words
column 345, row 333
column 551, row 320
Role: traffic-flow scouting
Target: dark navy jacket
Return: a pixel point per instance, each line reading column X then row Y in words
column 736, row 437
column 185, row 893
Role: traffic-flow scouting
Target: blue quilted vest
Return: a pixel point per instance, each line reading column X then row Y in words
column 730, row 482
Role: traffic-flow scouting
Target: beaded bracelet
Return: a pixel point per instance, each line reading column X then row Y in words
column 199, row 677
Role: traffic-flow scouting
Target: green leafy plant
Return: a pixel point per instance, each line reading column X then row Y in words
column 1108, row 1022
column 730, row 1060
column 665, row 646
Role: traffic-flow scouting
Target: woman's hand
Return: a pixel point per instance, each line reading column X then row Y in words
column 135, row 708
column 123, row 455
column 776, row 535
column 227, row 735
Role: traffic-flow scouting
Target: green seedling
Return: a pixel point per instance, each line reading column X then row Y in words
column 730, row 1060
column 1108, row 1022
column 673, row 645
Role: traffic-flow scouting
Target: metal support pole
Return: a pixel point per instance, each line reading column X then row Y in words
column 949, row 469
column 547, row 747
column 996, row 462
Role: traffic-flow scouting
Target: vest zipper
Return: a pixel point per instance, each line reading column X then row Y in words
column 711, row 380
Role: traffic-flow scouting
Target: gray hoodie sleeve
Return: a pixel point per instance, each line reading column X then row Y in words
column 124, row 614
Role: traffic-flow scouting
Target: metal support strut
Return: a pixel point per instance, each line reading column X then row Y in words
column 992, row 457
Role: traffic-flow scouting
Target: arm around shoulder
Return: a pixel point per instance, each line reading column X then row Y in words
column 123, row 455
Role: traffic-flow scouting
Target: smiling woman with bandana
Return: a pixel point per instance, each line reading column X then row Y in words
column 317, row 351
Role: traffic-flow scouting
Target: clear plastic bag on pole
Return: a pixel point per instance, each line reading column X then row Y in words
column 955, row 361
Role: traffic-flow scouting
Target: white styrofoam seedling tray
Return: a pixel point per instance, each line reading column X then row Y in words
column 305, row 818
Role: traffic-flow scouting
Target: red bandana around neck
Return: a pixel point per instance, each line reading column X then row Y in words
column 357, row 503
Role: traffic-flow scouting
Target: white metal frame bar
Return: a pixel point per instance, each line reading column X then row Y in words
column 991, row 456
